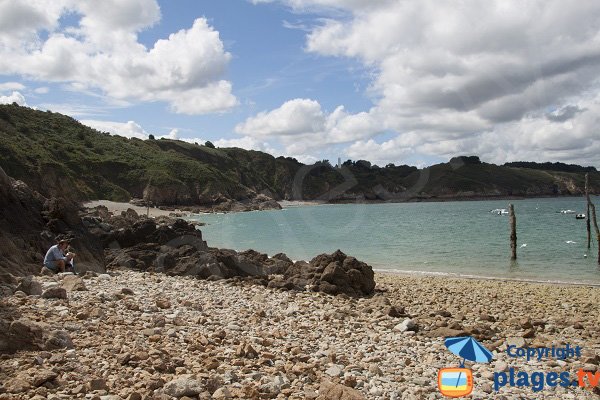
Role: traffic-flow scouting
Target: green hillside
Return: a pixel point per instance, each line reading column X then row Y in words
column 58, row 156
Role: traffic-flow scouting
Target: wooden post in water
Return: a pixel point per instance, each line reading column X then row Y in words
column 587, row 215
column 513, row 231
column 593, row 207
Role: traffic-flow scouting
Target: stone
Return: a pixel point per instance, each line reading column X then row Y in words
column 334, row 391
column 30, row 286
column 16, row 386
column 250, row 352
column 97, row 312
column 184, row 386
column 73, row 283
column 445, row 332
column 222, row 393
column 96, row 384
column 500, row 366
column 375, row 370
column 515, row 341
column 163, row 303
column 43, row 376
column 22, row 334
column 335, row 370
column 59, row 340
column 395, row 312
column 406, row 325
column 529, row 333
column 55, row 293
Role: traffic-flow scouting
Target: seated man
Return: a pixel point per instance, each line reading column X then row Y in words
column 56, row 260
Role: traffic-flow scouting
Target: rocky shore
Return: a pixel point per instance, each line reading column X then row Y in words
column 142, row 335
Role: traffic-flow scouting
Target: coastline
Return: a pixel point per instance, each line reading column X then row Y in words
column 183, row 209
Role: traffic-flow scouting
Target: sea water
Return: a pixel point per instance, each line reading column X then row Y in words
column 447, row 238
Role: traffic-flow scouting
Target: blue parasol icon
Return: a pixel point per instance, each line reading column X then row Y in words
column 469, row 349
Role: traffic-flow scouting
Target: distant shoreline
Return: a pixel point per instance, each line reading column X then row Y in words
column 451, row 199
column 446, row 276
column 114, row 206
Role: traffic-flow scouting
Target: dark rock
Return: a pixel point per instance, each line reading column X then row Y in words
column 30, row 286
column 334, row 273
column 20, row 334
column 55, row 293
column 97, row 384
column 8, row 279
column 58, row 340
column 43, row 376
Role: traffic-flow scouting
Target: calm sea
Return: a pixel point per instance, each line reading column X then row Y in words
column 461, row 238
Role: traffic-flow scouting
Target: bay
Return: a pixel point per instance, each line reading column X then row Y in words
column 449, row 238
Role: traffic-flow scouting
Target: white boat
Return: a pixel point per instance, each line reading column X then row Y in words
column 499, row 211
column 567, row 212
column 580, row 216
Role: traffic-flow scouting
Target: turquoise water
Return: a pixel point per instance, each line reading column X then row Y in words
column 461, row 238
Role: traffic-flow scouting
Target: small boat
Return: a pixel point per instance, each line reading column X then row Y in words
column 580, row 216
column 499, row 211
column 567, row 212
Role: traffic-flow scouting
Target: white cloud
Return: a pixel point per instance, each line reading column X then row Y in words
column 297, row 116
column 42, row 90
column 11, row 86
column 129, row 129
column 14, row 97
column 173, row 134
column 302, row 126
column 466, row 77
column 247, row 143
column 104, row 53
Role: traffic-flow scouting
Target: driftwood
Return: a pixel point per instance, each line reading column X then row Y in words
column 513, row 231
column 593, row 208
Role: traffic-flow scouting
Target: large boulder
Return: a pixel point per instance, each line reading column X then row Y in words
column 334, row 273
column 20, row 334
column 30, row 286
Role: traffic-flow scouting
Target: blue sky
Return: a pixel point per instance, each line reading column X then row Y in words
column 413, row 82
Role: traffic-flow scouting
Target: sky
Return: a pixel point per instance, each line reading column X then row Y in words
column 389, row 81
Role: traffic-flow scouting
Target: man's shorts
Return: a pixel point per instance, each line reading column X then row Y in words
column 51, row 265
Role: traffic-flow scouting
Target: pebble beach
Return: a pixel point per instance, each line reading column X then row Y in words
column 133, row 335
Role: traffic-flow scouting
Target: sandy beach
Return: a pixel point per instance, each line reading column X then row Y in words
column 117, row 207
column 140, row 335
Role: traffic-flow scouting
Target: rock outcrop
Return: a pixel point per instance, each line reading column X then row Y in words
column 29, row 224
column 334, row 274
column 178, row 249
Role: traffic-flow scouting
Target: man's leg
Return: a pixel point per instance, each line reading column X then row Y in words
column 61, row 265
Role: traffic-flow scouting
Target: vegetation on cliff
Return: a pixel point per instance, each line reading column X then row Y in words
column 57, row 155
